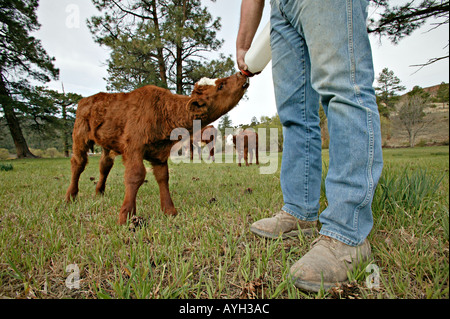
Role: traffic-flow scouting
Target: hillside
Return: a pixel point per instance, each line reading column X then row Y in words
column 436, row 132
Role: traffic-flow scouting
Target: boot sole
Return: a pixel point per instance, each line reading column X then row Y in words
column 314, row 286
column 308, row 232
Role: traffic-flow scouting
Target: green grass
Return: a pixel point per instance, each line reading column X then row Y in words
column 207, row 250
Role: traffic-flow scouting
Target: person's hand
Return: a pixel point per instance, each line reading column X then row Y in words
column 240, row 57
column 251, row 12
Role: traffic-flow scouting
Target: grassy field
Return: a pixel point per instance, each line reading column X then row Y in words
column 52, row 250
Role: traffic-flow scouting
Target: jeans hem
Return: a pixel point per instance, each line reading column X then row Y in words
column 309, row 217
column 341, row 238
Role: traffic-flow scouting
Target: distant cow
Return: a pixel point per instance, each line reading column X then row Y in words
column 246, row 142
column 138, row 126
column 208, row 136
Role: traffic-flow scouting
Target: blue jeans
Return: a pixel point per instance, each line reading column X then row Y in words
column 321, row 52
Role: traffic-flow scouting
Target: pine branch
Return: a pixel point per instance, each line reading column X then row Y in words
column 430, row 61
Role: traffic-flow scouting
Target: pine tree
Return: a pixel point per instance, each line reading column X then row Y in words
column 158, row 42
column 22, row 57
column 224, row 123
column 64, row 105
column 389, row 86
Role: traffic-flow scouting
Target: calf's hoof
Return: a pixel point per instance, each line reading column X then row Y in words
column 123, row 217
column 171, row 212
column 70, row 197
column 99, row 191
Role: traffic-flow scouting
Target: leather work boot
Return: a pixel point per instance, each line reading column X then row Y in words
column 284, row 225
column 327, row 263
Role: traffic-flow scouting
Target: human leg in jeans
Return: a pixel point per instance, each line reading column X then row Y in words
column 321, row 48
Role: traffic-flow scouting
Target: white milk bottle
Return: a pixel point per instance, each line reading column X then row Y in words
column 259, row 54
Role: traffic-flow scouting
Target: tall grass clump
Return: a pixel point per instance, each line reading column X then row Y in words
column 406, row 192
column 410, row 235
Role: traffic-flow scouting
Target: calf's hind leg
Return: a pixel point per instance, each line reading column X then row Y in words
column 106, row 163
column 246, row 155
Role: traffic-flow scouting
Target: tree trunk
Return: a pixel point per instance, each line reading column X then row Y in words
column 65, row 131
column 179, row 70
column 159, row 49
column 411, row 142
column 13, row 123
column 179, row 57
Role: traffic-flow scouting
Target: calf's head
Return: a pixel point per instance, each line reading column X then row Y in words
column 211, row 98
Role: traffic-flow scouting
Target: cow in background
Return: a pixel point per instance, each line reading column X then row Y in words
column 208, row 136
column 246, row 142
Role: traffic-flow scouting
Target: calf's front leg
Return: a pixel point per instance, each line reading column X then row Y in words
column 134, row 178
column 161, row 172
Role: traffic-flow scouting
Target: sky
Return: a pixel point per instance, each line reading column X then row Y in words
column 82, row 62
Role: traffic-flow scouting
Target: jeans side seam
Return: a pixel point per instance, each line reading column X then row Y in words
column 308, row 137
column 369, row 165
column 351, row 51
column 350, row 40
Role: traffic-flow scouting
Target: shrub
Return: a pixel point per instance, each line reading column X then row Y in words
column 4, row 154
column 37, row 152
column 6, row 167
column 52, row 152
column 422, row 143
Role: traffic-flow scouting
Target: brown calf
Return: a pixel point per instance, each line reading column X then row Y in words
column 138, row 125
column 246, row 142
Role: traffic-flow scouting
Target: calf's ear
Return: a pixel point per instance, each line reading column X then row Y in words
column 197, row 108
column 195, row 105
